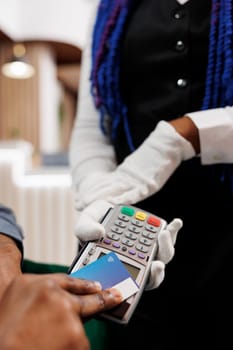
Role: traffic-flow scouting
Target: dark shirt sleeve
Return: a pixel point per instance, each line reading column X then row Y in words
column 9, row 226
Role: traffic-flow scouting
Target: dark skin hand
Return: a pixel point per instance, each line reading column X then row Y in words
column 10, row 259
column 46, row 312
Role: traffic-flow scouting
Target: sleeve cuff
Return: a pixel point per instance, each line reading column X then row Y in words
column 215, row 128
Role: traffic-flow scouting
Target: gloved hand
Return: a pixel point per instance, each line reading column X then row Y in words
column 88, row 228
column 142, row 173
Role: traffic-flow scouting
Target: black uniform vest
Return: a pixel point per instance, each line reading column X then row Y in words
column 163, row 73
column 164, row 60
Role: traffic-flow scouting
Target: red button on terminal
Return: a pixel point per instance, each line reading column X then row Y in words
column 154, row 221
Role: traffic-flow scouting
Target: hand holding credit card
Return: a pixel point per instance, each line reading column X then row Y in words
column 110, row 272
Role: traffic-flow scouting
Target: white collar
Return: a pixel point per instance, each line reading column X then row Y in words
column 182, row 2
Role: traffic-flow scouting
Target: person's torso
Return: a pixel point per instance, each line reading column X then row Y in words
column 163, row 74
column 164, row 59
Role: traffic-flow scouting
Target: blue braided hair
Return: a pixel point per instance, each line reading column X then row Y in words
column 219, row 78
column 107, row 36
column 219, row 75
column 108, row 30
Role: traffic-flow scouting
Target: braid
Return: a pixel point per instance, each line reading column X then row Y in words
column 211, row 56
column 219, row 62
column 219, row 78
column 104, row 23
column 105, row 75
column 228, row 69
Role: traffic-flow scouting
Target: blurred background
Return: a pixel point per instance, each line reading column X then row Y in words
column 41, row 45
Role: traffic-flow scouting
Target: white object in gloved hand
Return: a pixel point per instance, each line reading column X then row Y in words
column 88, row 228
column 143, row 172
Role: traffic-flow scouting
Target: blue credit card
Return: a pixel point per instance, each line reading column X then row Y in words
column 110, row 272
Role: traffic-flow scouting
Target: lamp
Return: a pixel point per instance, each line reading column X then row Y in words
column 18, row 67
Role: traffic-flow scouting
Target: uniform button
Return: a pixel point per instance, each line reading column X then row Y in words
column 179, row 14
column 180, row 45
column 181, row 83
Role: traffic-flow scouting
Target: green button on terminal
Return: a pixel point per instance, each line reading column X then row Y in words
column 127, row 211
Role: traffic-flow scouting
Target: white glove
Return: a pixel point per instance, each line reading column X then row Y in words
column 88, row 228
column 166, row 243
column 142, row 173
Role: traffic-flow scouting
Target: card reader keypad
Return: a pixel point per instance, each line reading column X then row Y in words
column 132, row 232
